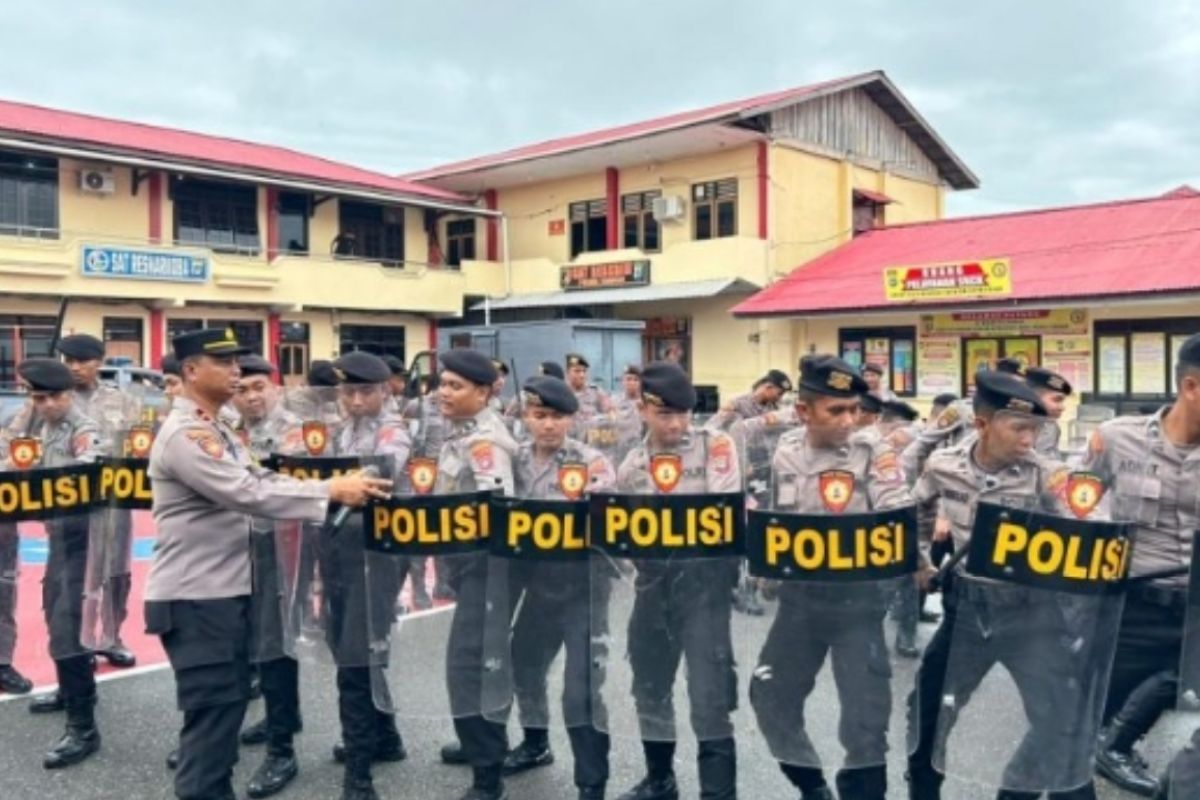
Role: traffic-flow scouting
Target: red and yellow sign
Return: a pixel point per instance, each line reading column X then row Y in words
column 139, row 441
column 1084, row 491
column 837, row 487
column 422, row 472
column 24, row 452
column 666, row 469
column 983, row 278
column 597, row 276
column 316, row 436
column 572, row 480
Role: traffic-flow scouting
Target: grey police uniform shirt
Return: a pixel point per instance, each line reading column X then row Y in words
column 279, row 431
column 708, row 461
column 431, row 427
column 740, row 408
column 1047, row 443
column 541, row 479
column 205, row 488
column 797, row 469
column 112, row 410
column 477, row 455
column 592, row 401
column 952, row 426
column 1154, row 484
column 75, row 439
column 383, row 435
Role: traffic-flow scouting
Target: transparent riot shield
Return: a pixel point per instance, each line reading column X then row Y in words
column 835, row 532
column 1029, row 633
column 667, row 611
column 1182, row 776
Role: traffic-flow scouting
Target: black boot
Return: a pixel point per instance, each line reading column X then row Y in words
column 1120, row 763
column 716, row 760
column 924, row 783
column 357, row 783
column 276, row 772
column 906, row 643
column 864, row 783
column 488, row 784
column 659, row 783
column 13, row 682
column 255, row 734
column 453, row 754
column 810, row 781
column 49, row 703
column 533, row 752
column 81, row 738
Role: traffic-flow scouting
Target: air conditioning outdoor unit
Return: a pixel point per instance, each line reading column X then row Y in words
column 666, row 209
column 97, row 181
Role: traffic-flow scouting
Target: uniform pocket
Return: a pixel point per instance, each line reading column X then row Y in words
column 158, row 617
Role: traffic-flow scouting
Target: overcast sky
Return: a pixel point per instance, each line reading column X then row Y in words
column 1048, row 102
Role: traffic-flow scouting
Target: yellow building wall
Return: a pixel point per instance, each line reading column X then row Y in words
column 530, row 209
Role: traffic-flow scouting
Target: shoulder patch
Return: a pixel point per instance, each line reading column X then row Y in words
column 887, row 465
column 947, row 418
column 720, row 454
column 481, row 455
column 1057, row 482
column 83, row 442
column 209, row 442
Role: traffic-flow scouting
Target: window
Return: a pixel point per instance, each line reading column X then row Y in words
column 1137, row 357
column 382, row 340
column 868, row 214
column 589, row 227
column 177, row 326
column 460, row 241
column 21, row 337
column 220, row 216
column 293, row 211
column 249, row 332
column 714, row 207
column 371, row 232
column 28, row 196
column 893, row 349
column 641, row 228
column 123, row 338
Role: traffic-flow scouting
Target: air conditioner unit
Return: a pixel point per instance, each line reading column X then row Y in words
column 666, row 209
column 97, row 181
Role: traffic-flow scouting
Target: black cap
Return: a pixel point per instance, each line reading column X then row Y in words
column 632, row 369
column 255, row 365
column 901, row 409
column 666, row 385
column 361, row 367
column 576, row 360
column 1010, row 366
column 870, row 404
column 945, row 399
column 553, row 393
column 1005, row 392
column 1189, row 351
column 45, row 374
column 82, row 346
column 207, row 342
column 832, row 376
column 871, row 366
column 777, row 379
column 170, row 366
column 322, row 373
column 552, row 369
column 1042, row 378
column 471, row 364
column 394, row 365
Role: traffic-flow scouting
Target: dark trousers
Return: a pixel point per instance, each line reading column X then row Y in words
column 484, row 741
column 62, row 605
column 365, row 729
column 1149, row 647
column 280, row 681
column 10, row 545
column 208, row 645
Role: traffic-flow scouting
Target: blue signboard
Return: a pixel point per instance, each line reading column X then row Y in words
column 143, row 265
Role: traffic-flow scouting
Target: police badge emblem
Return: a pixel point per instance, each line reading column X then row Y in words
column 1084, row 491
column 138, row 442
column 316, row 436
column 572, row 480
column 25, row 452
column 837, row 487
column 666, row 469
column 422, row 473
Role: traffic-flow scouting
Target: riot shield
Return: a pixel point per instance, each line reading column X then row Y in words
column 836, row 533
column 674, row 558
column 1182, row 777
column 1032, row 623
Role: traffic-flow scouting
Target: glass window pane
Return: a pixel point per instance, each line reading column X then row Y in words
column 1111, row 365
column 1148, row 357
column 726, row 213
column 704, row 221
column 650, row 243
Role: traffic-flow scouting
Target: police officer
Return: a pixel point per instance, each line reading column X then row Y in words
column 172, row 377
column 1054, row 390
column 845, row 621
column 428, row 439
column 1152, row 463
column 397, row 384
column 113, row 411
column 897, row 423
column 996, row 464
column 872, row 373
column 763, row 397
column 477, row 455
column 198, row 590
column 553, row 369
column 592, row 399
column 684, row 593
column 556, row 606
column 11, row 681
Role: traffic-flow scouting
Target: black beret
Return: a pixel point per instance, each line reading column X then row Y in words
column 253, row 364
column 1005, row 392
column 871, row 366
column 870, row 404
column 553, row 369
column 82, row 346
column 1010, row 366
column 471, row 364
column 322, row 373
column 901, row 409
column 576, row 360
column 1042, row 378
column 361, row 367
column 666, row 385
column 207, row 342
column 777, row 379
column 1189, row 351
column 945, row 399
column 832, row 376
column 632, row 369
column 500, row 366
column 553, row 393
column 394, row 364
column 45, row 374
column 170, row 366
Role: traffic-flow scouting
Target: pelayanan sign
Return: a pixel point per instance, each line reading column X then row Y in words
column 983, row 278
column 55, row 492
column 832, row 548
column 1048, row 552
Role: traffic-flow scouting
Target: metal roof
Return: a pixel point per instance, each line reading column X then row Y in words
column 683, row 290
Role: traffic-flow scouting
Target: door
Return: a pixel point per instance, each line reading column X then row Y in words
column 984, row 353
column 293, row 363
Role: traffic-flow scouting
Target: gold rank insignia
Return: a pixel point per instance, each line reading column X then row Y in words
column 837, row 487
column 1017, row 404
column 1056, row 383
column 316, row 436
column 839, row 381
column 572, row 479
column 422, row 473
column 1084, row 491
column 25, row 452
column 666, row 469
column 138, row 442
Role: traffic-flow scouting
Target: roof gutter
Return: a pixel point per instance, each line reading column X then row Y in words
column 379, row 196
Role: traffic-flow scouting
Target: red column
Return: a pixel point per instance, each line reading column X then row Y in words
column 273, row 340
column 157, row 333
column 272, row 223
column 433, row 335
column 154, row 201
column 764, row 185
column 493, row 227
column 612, row 194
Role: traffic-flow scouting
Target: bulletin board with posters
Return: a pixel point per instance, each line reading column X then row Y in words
column 1071, row 357
column 939, row 367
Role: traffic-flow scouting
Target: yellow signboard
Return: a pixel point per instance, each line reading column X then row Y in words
column 985, row 278
column 1008, row 322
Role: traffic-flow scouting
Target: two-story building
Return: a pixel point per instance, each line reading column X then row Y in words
column 147, row 232
column 673, row 221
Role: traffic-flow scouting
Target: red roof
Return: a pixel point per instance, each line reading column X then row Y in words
column 1133, row 247
column 20, row 120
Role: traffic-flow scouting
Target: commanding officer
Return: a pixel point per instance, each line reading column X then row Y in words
column 198, row 591
column 845, row 621
column 68, row 437
column 113, row 411
column 693, row 598
column 266, row 427
column 762, row 398
column 1152, row 462
column 477, row 455
column 556, row 606
column 1054, row 390
column 592, row 399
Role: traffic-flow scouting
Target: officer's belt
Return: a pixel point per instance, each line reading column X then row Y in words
column 1174, row 598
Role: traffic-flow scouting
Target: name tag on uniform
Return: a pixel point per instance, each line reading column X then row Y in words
column 124, row 483
column 832, row 548
column 1048, row 552
column 543, row 530
column 429, row 525
column 47, row 493
column 668, row 526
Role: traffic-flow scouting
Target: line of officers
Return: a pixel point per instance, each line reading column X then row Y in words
column 200, row 593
